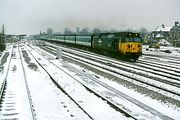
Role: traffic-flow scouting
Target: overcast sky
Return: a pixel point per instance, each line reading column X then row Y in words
column 31, row 16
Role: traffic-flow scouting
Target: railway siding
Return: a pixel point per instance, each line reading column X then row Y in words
column 89, row 81
column 15, row 89
column 90, row 59
column 78, row 92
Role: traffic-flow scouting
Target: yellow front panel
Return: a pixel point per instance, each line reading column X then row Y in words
column 130, row 47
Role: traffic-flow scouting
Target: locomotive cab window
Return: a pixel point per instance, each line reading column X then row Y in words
column 137, row 40
column 129, row 40
column 133, row 39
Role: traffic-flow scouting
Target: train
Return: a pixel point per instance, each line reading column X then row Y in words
column 125, row 45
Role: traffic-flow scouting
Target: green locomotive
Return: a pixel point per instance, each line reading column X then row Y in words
column 122, row 44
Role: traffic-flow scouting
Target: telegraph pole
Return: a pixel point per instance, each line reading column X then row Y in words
column 3, row 30
column 2, row 38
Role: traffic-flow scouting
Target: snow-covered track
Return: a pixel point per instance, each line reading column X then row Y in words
column 155, row 82
column 171, row 79
column 110, row 89
column 172, row 68
column 91, row 91
column 170, row 58
column 10, row 106
column 54, row 81
column 152, row 84
column 165, row 74
column 172, row 63
column 164, row 66
column 27, row 88
column 4, row 82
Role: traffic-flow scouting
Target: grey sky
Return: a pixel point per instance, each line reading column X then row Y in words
column 31, row 16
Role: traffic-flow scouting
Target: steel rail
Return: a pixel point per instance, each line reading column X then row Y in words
column 27, row 88
column 173, row 84
column 120, row 94
column 61, row 87
column 5, row 79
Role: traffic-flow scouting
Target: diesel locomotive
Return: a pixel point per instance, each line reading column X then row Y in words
column 120, row 44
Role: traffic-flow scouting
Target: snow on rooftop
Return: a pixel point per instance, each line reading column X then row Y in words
column 162, row 28
column 159, row 36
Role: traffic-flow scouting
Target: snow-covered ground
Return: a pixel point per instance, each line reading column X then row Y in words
column 164, row 50
column 154, row 104
column 93, row 105
column 52, row 104
column 15, row 101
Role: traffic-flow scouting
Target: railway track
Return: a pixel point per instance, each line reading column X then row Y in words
column 169, row 58
column 11, row 97
column 110, row 89
column 155, row 80
column 158, row 64
column 162, row 72
column 68, row 92
column 45, row 100
column 16, row 100
column 168, row 71
column 172, row 79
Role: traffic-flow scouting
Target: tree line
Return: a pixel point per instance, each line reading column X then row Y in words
column 142, row 31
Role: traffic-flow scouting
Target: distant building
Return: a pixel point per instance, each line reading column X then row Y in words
column 171, row 34
column 175, row 31
column 175, row 34
column 161, row 32
column 77, row 30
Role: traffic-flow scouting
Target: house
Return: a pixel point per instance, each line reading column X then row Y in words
column 161, row 32
column 175, row 32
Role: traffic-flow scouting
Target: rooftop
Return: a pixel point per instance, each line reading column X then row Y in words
column 162, row 28
column 176, row 26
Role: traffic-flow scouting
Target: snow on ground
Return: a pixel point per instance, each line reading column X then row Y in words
column 96, row 107
column 175, row 51
column 166, row 109
column 50, row 103
column 19, row 107
column 142, row 78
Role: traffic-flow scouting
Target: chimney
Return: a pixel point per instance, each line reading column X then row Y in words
column 176, row 23
column 77, row 30
column 163, row 26
column 3, row 29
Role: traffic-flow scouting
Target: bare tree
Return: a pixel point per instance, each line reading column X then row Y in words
column 143, row 31
column 96, row 30
column 85, row 30
column 67, row 31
